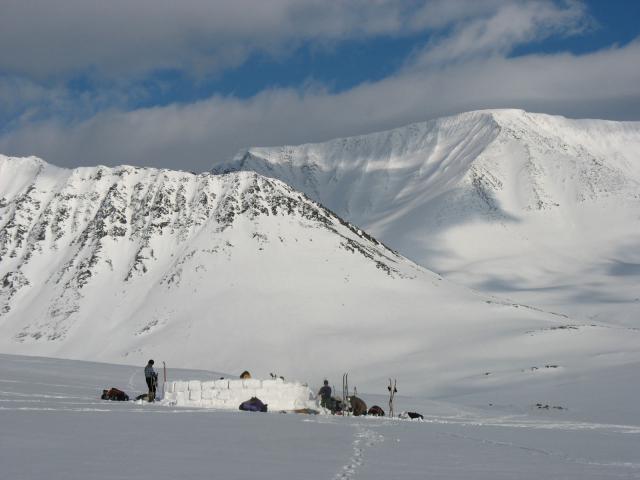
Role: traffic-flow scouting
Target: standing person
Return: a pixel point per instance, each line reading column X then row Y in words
column 325, row 395
column 151, row 377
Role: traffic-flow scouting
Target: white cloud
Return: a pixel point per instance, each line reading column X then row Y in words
column 118, row 38
column 505, row 28
column 469, row 68
column 196, row 136
column 124, row 37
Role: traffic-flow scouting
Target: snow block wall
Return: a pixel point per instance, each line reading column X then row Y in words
column 229, row 394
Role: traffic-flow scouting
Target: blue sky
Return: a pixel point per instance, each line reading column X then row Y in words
column 186, row 84
column 356, row 61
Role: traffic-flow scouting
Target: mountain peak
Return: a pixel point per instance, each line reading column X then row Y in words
column 68, row 236
column 500, row 190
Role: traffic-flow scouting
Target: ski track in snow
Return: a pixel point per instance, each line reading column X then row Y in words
column 363, row 439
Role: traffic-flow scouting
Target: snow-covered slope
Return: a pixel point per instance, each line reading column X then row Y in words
column 238, row 271
column 539, row 208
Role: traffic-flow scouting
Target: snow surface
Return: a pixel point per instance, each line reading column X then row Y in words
column 537, row 208
column 55, row 427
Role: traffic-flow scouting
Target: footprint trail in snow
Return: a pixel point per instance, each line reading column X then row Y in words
column 363, row 438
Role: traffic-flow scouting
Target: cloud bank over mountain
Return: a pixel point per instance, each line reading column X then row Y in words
column 93, row 91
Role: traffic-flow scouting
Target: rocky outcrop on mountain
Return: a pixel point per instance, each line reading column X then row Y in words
column 62, row 230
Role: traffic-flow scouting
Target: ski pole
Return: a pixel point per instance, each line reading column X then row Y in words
column 164, row 371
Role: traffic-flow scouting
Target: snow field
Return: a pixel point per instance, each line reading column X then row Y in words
column 229, row 394
column 52, row 407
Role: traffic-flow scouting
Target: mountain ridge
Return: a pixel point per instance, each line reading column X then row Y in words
column 495, row 199
column 45, row 217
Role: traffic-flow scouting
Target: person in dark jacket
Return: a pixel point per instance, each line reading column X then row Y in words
column 325, row 395
column 151, row 378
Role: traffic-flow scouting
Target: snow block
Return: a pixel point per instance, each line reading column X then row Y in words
column 219, row 403
column 235, row 384
column 251, row 392
column 170, row 396
column 252, row 383
column 299, row 390
column 269, row 384
column 221, row 384
column 208, row 394
column 288, row 390
column 224, row 394
column 208, row 385
column 180, row 386
column 169, row 387
column 269, row 398
column 229, row 394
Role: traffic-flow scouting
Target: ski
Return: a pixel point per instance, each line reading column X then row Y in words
column 392, row 391
column 345, row 393
column 349, row 403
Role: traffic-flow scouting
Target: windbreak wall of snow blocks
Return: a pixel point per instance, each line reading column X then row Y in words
column 230, row 393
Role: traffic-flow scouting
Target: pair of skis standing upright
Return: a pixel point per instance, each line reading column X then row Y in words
column 392, row 392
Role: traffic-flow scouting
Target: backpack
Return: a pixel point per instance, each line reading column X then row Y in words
column 254, row 404
column 376, row 411
column 115, row 395
column 358, row 407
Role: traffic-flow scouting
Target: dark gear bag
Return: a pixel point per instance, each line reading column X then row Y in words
column 254, row 404
column 376, row 411
column 114, row 394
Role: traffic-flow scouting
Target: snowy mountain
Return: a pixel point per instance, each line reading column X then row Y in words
column 239, row 271
column 538, row 208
